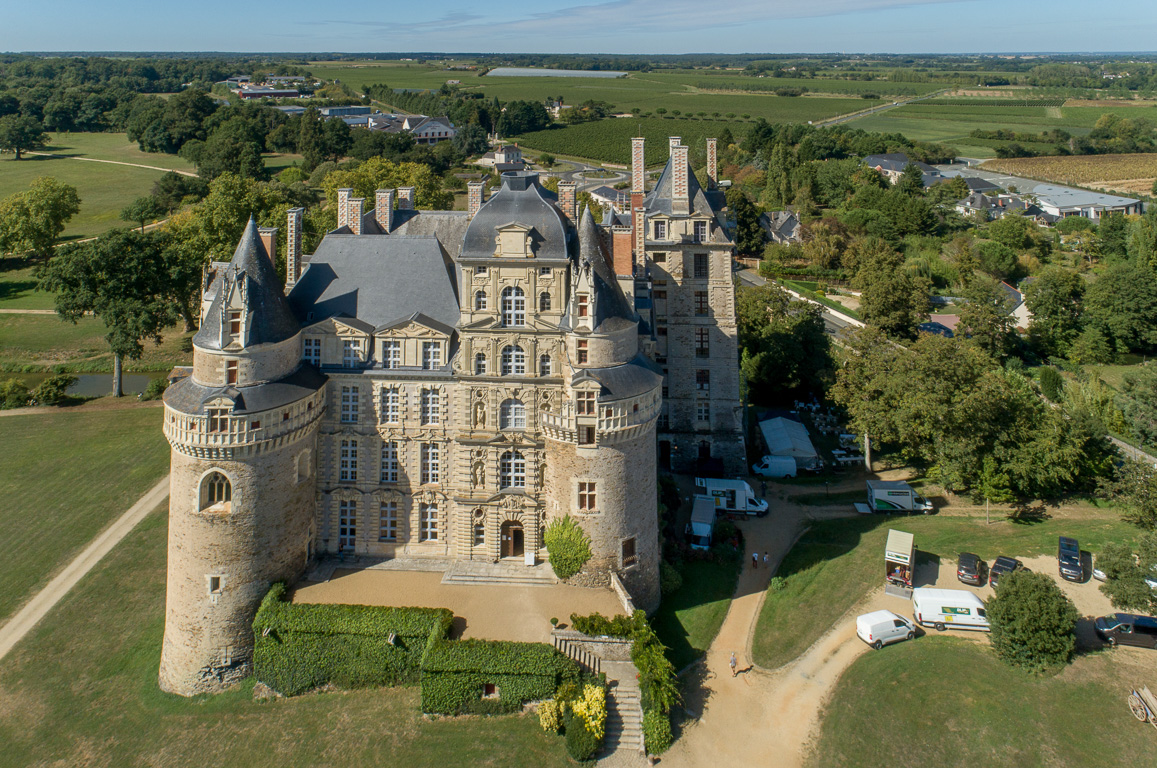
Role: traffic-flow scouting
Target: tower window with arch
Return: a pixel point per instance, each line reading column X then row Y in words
column 479, row 300
column 512, row 470
column 479, row 528
column 544, row 365
column 513, row 361
column 480, row 366
column 513, row 306
column 544, row 301
column 512, row 415
column 216, row 493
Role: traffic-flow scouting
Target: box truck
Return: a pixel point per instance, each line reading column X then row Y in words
column 895, row 496
column 732, row 496
column 702, row 525
column 943, row 608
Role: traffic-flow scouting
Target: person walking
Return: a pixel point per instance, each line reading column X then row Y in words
column 763, row 488
column 766, row 560
column 733, row 664
column 754, row 559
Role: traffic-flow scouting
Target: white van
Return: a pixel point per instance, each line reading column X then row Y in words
column 880, row 628
column 943, row 608
column 733, row 496
column 775, row 466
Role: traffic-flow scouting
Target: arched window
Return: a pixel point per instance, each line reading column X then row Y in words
column 513, row 306
column 216, row 493
column 479, row 300
column 480, row 364
column 513, row 361
column 544, row 302
column 512, row 415
column 512, row 470
column 544, row 365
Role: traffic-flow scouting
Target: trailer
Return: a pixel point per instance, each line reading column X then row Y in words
column 1143, row 705
column 900, row 559
column 895, row 496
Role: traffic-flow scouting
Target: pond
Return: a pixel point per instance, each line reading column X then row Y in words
column 531, row 72
column 91, row 384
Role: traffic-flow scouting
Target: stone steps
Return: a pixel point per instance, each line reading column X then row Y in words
column 467, row 573
column 624, row 728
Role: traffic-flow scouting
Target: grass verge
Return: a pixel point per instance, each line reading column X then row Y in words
column 688, row 619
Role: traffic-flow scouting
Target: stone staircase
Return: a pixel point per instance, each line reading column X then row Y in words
column 624, row 734
column 474, row 572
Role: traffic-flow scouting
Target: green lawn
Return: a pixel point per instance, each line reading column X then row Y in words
column 112, row 146
column 82, row 690
column 18, row 287
column 949, row 701
column 688, row 620
column 837, row 562
column 64, row 477
column 44, row 342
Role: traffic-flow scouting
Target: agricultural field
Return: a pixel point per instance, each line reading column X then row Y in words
column 1124, row 173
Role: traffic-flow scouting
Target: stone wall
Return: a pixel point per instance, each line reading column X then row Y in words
column 255, row 365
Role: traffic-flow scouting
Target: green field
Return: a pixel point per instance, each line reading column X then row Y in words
column 111, row 146
column 45, row 342
column 609, row 141
column 18, row 287
column 949, row 701
column 64, row 477
column 81, row 689
column 838, row 562
column 689, row 619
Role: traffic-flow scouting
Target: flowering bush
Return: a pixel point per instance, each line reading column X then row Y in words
column 592, row 710
column 550, row 716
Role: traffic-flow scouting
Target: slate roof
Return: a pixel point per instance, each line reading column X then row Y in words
column 609, row 302
column 658, row 200
column 897, row 162
column 623, row 381
column 379, row 281
column 270, row 319
column 448, row 226
column 521, row 200
column 187, row 396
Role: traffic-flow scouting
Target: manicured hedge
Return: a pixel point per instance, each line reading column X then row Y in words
column 301, row 646
column 454, row 674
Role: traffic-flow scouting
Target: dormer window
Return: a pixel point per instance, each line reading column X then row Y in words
column 584, row 403
column 584, row 305
column 582, row 351
column 218, row 419
column 660, row 230
column 700, row 231
column 234, row 322
column 351, row 353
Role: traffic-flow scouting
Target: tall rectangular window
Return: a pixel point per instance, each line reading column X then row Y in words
column 431, row 355
column 701, row 303
column 391, row 405
column 347, row 524
column 312, row 352
column 586, row 497
column 660, row 230
column 392, row 354
column 427, row 522
column 388, row 521
column 234, row 322
column 581, row 348
column 702, row 342
column 703, row 411
column 703, row 380
column 584, row 305
column 230, row 371
column 350, row 404
column 351, row 352
column 629, row 556
column 389, row 462
column 701, row 266
column 700, row 231
column 431, row 406
column 348, row 461
column 431, row 463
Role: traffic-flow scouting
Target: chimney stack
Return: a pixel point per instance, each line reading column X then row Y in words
column 680, row 199
column 293, row 246
column 384, row 209
column 475, row 192
column 640, row 233
column 712, row 164
column 355, row 209
column 568, row 200
column 638, row 166
column 268, row 237
column 405, row 198
column 674, row 141
column 343, row 196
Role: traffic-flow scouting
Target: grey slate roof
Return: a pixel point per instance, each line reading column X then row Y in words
column 523, row 201
column 609, row 301
column 658, row 200
column 448, row 226
column 623, row 381
column 270, row 318
column 378, row 280
column 187, row 396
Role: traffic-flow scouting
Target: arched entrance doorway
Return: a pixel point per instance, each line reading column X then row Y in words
column 510, row 535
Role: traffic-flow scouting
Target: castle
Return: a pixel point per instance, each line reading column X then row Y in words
column 444, row 384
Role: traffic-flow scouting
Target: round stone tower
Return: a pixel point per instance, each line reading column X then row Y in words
column 600, row 443
column 243, row 430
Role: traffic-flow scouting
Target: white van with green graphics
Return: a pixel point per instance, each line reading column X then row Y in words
column 944, row 608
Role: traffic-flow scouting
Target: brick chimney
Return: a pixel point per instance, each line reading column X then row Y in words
column 712, row 164
column 355, row 209
column 384, row 209
column 621, row 248
column 638, row 166
column 672, row 142
column 568, row 200
column 293, row 246
column 405, row 198
column 269, row 240
column 640, row 235
column 680, row 199
column 475, row 196
column 343, row 196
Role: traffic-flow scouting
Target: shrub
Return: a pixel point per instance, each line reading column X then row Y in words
column 302, row 646
column 656, row 731
column 1032, row 621
column 670, row 580
column 292, row 175
column 455, row 674
column 53, row 390
column 592, row 710
column 568, row 546
column 155, row 388
column 13, row 394
column 550, row 716
column 777, row 584
column 581, row 744
column 658, row 687
column 1052, row 384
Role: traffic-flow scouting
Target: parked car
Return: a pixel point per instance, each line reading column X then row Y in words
column 970, row 569
column 1001, row 566
column 1098, row 574
column 881, row 628
column 1069, row 559
column 1127, row 629
column 1152, row 580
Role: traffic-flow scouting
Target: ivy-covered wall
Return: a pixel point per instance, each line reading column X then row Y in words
column 455, row 673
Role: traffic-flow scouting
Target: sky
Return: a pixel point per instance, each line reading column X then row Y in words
column 582, row 26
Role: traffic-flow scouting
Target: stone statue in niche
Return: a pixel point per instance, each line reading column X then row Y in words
column 479, row 414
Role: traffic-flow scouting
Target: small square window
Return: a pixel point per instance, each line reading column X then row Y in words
column 629, row 556
column 214, row 585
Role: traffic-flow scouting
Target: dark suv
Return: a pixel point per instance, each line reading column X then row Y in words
column 1069, row 559
column 970, row 569
column 1127, row 629
column 1001, row 566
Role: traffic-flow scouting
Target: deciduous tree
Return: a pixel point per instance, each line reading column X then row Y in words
column 1033, row 621
column 31, row 221
column 21, row 133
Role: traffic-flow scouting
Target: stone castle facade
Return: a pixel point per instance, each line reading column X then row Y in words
column 444, row 384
